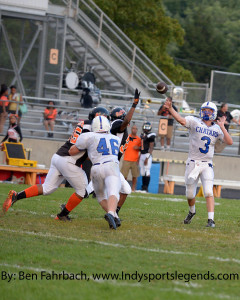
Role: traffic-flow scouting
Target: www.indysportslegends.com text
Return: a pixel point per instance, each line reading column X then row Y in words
column 122, row 276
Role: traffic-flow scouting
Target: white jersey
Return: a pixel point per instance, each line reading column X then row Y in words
column 13, row 134
column 202, row 139
column 101, row 147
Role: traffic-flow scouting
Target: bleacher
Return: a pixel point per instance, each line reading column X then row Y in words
column 32, row 122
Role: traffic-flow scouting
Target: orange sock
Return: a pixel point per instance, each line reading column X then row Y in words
column 31, row 191
column 73, row 201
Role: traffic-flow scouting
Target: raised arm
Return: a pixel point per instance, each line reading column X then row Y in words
column 129, row 115
column 227, row 138
column 235, row 121
column 174, row 113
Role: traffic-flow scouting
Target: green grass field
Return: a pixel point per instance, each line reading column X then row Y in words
column 152, row 239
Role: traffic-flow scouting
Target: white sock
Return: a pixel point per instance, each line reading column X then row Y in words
column 192, row 209
column 116, row 215
column 111, row 212
column 211, row 215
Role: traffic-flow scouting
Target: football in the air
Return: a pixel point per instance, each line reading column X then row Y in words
column 162, row 87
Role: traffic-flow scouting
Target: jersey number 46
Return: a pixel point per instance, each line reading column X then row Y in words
column 102, row 147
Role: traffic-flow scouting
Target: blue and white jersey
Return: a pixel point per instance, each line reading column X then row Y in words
column 101, row 147
column 202, row 138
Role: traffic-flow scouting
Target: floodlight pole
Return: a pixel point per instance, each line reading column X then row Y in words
column 211, row 86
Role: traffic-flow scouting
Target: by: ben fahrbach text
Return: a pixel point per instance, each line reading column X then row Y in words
column 42, row 275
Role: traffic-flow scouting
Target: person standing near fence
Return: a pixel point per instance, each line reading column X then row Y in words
column 15, row 107
column 223, row 111
column 14, row 134
column 50, row 114
column 3, row 106
column 131, row 157
column 163, row 111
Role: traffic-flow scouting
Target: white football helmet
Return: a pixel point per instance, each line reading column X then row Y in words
column 206, row 116
column 101, row 124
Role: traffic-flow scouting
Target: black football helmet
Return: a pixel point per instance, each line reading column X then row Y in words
column 98, row 111
column 147, row 127
column 118, row 113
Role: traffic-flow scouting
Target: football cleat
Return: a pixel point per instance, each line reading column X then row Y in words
column 189, row 217
column 63, row 218
column 117, row 222
column 11, row 199
column 62, row 206
column 210, row 223
column 110, row 219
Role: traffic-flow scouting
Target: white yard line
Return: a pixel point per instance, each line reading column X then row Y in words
column 154, row 250
column 25, row 267
column 167, row 199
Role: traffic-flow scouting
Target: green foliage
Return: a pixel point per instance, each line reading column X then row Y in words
column 212, row 35
column 146, row 23
column 204, row 43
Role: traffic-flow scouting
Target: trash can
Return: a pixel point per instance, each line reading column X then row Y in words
column 154, row 180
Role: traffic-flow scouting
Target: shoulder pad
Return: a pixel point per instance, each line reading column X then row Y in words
column 116, row 121
column 151, row 134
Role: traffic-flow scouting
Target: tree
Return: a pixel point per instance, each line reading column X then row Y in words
column 147, row 25
column 204, row 43
column 222, row 34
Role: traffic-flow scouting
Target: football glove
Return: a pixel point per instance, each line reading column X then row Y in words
column 136, row 96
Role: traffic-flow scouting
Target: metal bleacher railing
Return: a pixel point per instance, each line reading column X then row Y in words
column 109, row 35
column 70, row 112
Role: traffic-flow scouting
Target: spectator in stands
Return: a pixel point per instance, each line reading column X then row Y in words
column 14, row 134
column 3, row 106
column 163, row 111
column 50, row 114
column 131, row 157
column 223, row 111
column 14, row 107
column 86, row 99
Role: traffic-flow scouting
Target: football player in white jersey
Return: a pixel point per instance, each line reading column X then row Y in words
column 103, row 149
column 203, row 134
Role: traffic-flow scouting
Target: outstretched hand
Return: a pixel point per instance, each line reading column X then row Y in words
column 167, row 104
column 221, row 121
column 136, row 96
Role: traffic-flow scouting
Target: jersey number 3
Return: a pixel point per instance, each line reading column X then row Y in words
column 208, row 141
column 102, row 147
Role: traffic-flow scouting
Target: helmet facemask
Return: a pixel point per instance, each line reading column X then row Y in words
column 118, row 113
column 98, row 111
column 210, row 114
column 147, row 127
column 206, row 115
